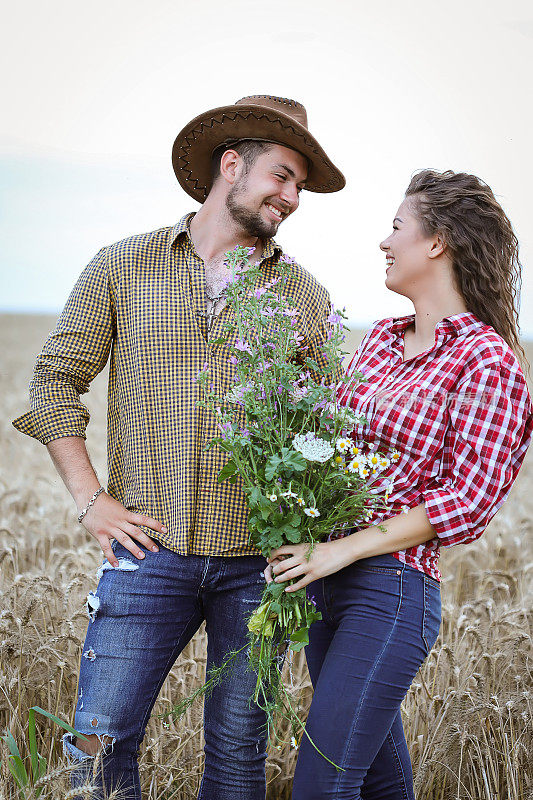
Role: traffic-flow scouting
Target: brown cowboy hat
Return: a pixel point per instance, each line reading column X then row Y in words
column 261, row 117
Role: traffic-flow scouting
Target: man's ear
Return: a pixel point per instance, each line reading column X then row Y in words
column 437, row 247
column 230, row 165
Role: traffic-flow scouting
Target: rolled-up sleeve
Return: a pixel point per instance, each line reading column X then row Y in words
column 73, row 354
column 490, row 428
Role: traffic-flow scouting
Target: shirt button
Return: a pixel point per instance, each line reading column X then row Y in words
column 398, row 572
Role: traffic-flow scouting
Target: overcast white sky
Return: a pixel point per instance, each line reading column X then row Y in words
column 97, row 92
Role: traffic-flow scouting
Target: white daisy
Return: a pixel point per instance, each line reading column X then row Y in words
column 312, row 512
column 343, row 445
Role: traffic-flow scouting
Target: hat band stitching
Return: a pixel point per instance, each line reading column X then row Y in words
column 198, row 131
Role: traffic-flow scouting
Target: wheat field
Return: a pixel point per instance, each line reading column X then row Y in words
column 468, row 714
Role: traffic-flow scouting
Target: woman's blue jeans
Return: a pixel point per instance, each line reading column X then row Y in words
column 380, row 618
column 142, row 615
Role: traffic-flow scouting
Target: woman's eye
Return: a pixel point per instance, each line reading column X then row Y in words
column 283, row 177
column 395, row 228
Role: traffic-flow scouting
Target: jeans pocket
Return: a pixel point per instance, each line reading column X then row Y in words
column 431, row 616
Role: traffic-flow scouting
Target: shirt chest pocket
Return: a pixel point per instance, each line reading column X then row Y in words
column 412, row 419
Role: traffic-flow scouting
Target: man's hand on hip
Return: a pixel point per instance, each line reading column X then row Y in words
column 108, row 519
column 105, row 518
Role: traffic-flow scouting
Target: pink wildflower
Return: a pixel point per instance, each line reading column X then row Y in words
column 243, row 346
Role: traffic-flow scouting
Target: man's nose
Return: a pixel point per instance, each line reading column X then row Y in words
column 290, row 196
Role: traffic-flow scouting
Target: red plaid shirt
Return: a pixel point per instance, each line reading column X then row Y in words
column 460, row 416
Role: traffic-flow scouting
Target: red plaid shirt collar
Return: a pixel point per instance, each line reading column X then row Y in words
column 455, row 325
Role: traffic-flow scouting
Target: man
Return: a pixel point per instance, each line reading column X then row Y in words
column 175, row 541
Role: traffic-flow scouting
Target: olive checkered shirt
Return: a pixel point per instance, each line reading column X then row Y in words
column 143, row 300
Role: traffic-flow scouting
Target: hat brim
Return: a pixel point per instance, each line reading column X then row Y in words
column 194, row 145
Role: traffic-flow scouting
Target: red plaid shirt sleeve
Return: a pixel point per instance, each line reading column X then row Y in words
column 489, row 433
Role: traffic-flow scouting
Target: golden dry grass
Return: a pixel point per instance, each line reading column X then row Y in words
column 468, row 715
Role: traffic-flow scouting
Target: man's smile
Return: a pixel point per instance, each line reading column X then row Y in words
column 275, row 211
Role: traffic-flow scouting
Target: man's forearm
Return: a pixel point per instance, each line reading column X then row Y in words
column 71, row 460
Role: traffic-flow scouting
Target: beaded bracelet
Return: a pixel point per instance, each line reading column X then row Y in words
column 90, row 503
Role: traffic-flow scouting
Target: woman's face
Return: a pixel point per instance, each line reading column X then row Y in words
column 409, row 266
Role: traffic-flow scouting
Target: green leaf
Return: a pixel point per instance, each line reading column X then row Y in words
column 58, row 721
column 275, row 589
column 254, row 497
column 32, row 738
column 42, row 766
column 9, row 739
column 299, row 639
column 227, row 471
column 296, row 461
column 271, row 467
column 294, row 535
column 18, row 770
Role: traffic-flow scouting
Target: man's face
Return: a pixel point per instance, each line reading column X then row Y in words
column 260, row 199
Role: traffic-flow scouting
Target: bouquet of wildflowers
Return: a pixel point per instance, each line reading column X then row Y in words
column 289, row 445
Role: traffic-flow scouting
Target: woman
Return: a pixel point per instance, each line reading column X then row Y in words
column 443, row 387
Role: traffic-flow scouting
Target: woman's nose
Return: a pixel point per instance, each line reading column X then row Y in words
column 384, row 246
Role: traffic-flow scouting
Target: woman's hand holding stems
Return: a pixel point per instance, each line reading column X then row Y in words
column 401, row 532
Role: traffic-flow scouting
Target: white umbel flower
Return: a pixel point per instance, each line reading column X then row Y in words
column 312, row 448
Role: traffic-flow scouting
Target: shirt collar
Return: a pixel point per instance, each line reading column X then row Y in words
column 270, row 246
column 456, row 325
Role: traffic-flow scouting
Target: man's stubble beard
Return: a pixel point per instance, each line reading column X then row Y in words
column 250, row 221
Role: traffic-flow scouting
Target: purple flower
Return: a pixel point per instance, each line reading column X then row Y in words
column 334, row 319
column 258, row 294
column 280, row 389
column 285, row 259
column 233, row 360
column 243, row 346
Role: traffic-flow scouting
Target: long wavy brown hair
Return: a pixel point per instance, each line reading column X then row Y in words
column 481, row 242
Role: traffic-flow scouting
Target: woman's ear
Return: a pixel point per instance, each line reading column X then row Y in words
column 438, row 246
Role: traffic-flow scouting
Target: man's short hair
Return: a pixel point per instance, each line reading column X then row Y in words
column 248, row 151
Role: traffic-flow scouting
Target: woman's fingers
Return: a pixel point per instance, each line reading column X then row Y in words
column 305, row 581
column 281, row 552
column 284, row 564
column 291, row 573
column 268, row 574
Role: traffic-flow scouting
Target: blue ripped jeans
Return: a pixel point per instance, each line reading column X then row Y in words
column 142, row 616
column 380, row 618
